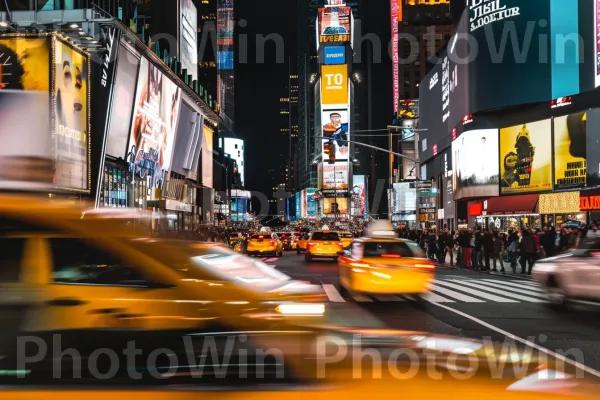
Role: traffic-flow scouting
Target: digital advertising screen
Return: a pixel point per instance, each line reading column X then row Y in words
column 475, row 172
column 157, row 103
column 342, row 203
column 311, row 204
column 71, row 118
column 334, row 85
column 593, row 147
column 335, row 25
column 597, row 42
column 526, row 158
column 359, row 195
column 335, row 176
column 570, row 153
column 188, row 38
column 298, row 206
column 336, row 128
column 334, row 55
column 431, row 121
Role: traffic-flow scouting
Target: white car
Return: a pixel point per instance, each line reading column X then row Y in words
column 571, row 276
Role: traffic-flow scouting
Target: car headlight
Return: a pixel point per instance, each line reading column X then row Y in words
column 301, row 309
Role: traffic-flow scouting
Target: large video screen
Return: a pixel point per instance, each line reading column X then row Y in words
column 570, row 154
column 335, row 25
column 526, row 158
column 157, row 103
column 336, row 128
column 475, row 171
column 335, row 176
column 188, row 38
column 71, row 113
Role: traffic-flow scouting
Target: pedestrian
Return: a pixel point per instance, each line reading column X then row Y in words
column 450, row 247
column 497, row 250
column 513, row 249
column 528, row 251
column 487, row 241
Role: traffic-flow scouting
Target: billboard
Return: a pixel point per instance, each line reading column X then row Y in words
column 334, row 55
column 335, row 176
column 341, row 202
column 71, row 118
column 235, row 149
column 298, row 207
column 405, row 201
column 570, row 154
column 597, row 42
column 396, row 15
column 312, row 205
column 334, row 85
column 157, row 103
column 475, row 171
column 526, row 158
column 335, row 25
column 336, row 128
column 359, row 195
column 188, row 38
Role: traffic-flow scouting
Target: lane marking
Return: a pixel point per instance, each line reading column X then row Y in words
column 362, row 299
column 513, row 284
column 528, row 291
column 333, row 294
column 503, row 293
column 435, row 298
column 544, row 350
column 272, row 259
column 455, row 295
column 475, row 292
column 388, row 298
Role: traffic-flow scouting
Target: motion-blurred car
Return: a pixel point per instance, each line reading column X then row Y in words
column 264, row 244
column 573, row 276
column 381, row 263
column 347, row 239
column 301, row 243
column 287, row 239
column 324, row 244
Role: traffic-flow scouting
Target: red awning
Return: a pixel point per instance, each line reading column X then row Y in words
column 511, row 205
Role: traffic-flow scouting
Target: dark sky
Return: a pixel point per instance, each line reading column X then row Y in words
column 259, row 86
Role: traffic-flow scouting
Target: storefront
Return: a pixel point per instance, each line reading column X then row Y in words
column 589, row 205
column 506, row 213
column 561, row 208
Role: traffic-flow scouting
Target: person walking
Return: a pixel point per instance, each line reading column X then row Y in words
column 528, row 250
column 497, row 250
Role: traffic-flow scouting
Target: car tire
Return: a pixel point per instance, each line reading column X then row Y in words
column 555, row 294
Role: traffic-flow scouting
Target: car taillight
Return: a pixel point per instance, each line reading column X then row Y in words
column 272, row 241
column 425, row 266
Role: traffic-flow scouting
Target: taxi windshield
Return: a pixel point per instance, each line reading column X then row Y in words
column 402, row 249
column 333, row 236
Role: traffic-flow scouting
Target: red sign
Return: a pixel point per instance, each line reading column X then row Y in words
column 454, row 134
column 561, row 102
column 475, row 210
column 467, row 119
column 396, row 16
column 589, row 203
column 435, row 149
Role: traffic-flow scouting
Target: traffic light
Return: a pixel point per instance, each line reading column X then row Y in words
column 330, row 149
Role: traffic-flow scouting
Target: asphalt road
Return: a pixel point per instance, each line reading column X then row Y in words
column 472, row 305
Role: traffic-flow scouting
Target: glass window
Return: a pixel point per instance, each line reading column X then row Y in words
column 76, row 262
column 402, row 249
column 11, row 254
column 332, row 236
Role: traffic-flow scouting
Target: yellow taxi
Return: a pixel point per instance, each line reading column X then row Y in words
column 324, row 244
column 381, row 263
column 264, row 244
column 301, row 243
column 347, row 239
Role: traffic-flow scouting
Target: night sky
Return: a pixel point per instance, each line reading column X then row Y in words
column 259, row 86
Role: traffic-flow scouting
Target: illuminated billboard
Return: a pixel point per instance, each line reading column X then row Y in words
column 336, row 128
column 359, row 195
column 334, row 85
column 335, row 25
column 188, row 38
column 334, row 55
column 235, row 149
column 335, row 176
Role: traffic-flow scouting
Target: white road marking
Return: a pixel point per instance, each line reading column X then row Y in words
column 520, row 286
column 361, row 299
column 524, row 290
column 455, row 295
column 387, row 298
column 524, row 341
column 333, row 294
column 525, row 282
column 435, row 298
column 502, row 292
column 475, row 292
column 272, row 259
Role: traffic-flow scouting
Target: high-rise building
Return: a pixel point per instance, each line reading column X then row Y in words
column 207, row 29
column 225, row 63
column 288, row 114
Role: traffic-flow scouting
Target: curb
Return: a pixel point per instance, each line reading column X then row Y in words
column 510, row 275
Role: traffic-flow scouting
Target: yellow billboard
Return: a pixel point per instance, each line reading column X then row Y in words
column 334, row 85
column 24, row 63
column 570, row 151
column 526, row 158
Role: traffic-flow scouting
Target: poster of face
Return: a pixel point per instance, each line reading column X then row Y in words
column 311, row 204
column 334, row 24
column 71, row 133
column 359, row 194
column 335, row 176
column 475, row 171
column 336, row 129
column 153, row 129
column 526, row 158
column 570, row 154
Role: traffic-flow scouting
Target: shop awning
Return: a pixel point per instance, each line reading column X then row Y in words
column 512, row 205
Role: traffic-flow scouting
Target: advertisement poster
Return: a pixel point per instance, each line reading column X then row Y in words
column 342, row 205
column 597, row 47
column 298, row 207
column 335, row 25
column 335, row 177
column 475, row 172
column 526, row 158
column 359, row 196
column 334, row 55
column 336, row 129
column 303, row 203
column 71, row 127
column 153, row 129
column 570, row 153
column 311, row 203
column 25, row 89
column 395, row 11
column 334, row 85
column 188, row 41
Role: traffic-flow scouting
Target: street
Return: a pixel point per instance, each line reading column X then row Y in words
column 472, row 305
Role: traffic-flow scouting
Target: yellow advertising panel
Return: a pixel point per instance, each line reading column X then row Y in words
column 24, row 64
column 570, row 151
column 526, row 158
column 71, row 118
column 334, row 85
column 342, row 203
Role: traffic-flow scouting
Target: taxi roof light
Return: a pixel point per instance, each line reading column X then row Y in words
column 391, row 256
column 301, row 309
column 425, row 266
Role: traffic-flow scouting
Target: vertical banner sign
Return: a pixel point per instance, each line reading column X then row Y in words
column 395, row 7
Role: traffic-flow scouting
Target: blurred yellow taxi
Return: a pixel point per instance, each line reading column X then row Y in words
column 347, row 239
column 264, row 244
column 301, row 243
column 324, row 244
column 381, row 263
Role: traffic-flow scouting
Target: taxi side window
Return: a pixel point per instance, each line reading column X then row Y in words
column 11, row 254
column 357, row 250
column 76, row 262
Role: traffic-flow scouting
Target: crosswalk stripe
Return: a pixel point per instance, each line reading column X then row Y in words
column 388, row 298
column 519, row 285
column 523, row 290
column 435, row 298
column 524, row 282
column 361, row 299
column 333, row 294
column 502, row 292
column 455, row 295
column 475, row 292
column 272, row 259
